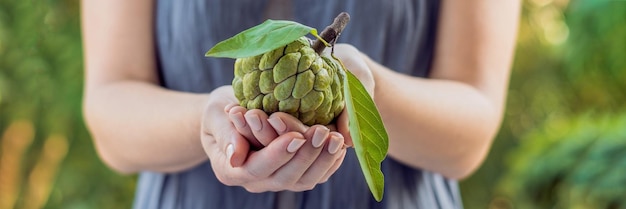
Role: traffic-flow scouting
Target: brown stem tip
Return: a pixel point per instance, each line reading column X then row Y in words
column 331, row 32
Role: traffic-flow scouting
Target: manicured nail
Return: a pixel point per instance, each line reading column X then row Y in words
column 230, row 149
column 255, row 122
column 229, row 106
column 238, row 120
column 340, row 136
column 295, row 144
column 335, row 145
column 278, row 125
column 319, row 136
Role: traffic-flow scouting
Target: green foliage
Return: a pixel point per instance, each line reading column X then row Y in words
column 368, row 133
column 595, row 53
column 570, row 163
column 41, row 79
column 569, row 62
column 259, row 39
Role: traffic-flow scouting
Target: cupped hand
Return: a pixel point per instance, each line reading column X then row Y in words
column 291, row 161
column 357, row 63
column 313, row 164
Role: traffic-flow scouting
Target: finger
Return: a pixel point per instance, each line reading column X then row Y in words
column 335, row 166
column 261, row 129
column 225, row 162
column 222, row 157
column 237, row 150
column 336, row 142
column 266, row 161
column 230, row 106
column 318, row 135
column 324, row 161
column 228, row 145
column 293, row 170
column 233, row 146
column 343, row 127
column 219, row 161
column 236, row 116
column 284, row 122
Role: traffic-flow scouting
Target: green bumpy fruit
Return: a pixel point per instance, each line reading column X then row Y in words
column 292, row 79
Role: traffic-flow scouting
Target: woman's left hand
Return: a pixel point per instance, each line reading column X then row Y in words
column 312, row 164
column 356, row 62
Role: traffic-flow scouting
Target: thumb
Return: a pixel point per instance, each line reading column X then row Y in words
column 343, row 126
column 237, row 150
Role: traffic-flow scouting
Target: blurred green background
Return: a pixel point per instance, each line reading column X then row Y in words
column 562, row 142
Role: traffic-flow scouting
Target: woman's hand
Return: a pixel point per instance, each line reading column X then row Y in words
column 356, row 62
column 291, row 160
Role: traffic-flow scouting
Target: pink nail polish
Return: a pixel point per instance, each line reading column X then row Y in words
column 230, row 150
column 278, row 124
column 334, row 145
column 295, row 144
column 319, row 136
column 255, row 122
column 238, row 120
column 228, row 107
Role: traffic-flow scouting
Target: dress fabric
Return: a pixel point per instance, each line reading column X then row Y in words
column 399, row 34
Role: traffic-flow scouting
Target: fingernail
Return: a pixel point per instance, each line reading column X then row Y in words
column 255, row 122
column 278, row 124
column 295, row 144
column 340, row 136
column 230, row 149
column 334, row 145
column 228, row 107
column 319, row 136
column 238, row 120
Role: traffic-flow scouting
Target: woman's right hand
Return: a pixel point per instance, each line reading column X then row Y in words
column 285, row 163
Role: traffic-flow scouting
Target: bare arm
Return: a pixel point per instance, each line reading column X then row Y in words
column 136, row 124
column 446, row 123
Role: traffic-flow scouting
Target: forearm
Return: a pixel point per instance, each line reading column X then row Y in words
column 446, row 123
column 140, row 126
column 437, row 125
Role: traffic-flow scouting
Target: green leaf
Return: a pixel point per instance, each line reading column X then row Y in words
column 259, row 39
column 368, row 133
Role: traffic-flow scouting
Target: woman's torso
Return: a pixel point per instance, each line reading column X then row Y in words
column 398, row 34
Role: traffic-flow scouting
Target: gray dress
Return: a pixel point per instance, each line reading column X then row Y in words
column 397, row 33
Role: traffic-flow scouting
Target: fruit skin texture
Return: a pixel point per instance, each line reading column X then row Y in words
column 292, row 79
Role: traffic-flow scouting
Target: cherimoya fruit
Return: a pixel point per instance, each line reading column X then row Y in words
column 292, row 79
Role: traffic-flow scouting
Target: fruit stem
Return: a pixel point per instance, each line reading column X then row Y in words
column 331, row 32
